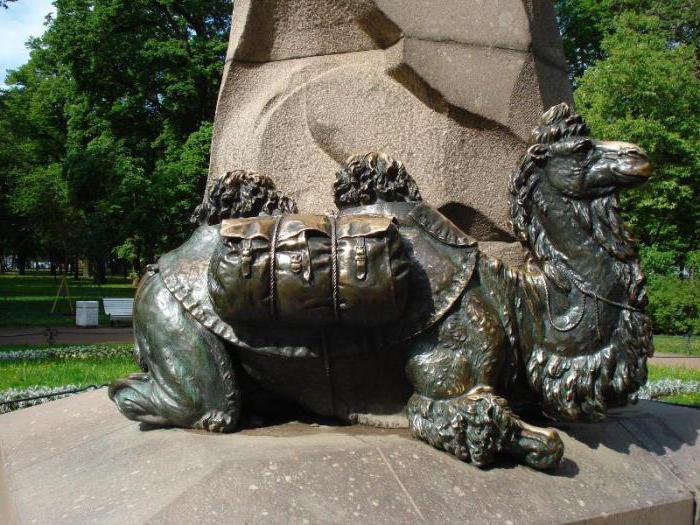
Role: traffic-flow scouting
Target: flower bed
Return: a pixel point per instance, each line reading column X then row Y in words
column 31, row 376
column 668, row 387
column 69, row 352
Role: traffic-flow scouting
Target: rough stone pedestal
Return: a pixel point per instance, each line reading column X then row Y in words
column 452, row 88
column 78, row 461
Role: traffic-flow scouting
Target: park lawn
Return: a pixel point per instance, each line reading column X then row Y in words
column 85, row 372
column 692, row 400
column 657, row 372
column 59, row 372
column 26, row 300
column 677, row 344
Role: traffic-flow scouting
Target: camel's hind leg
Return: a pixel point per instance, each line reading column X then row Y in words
column 188, row 378
column 455, row 407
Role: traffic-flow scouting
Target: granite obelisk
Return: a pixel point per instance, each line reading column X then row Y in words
column 451, row 87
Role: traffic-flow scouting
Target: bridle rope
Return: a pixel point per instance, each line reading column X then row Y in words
column 576, row 280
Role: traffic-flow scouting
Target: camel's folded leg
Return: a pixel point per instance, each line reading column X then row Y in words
column 478, row 425
column 188, row 378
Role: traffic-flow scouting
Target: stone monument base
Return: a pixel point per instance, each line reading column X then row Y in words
column 78, row 461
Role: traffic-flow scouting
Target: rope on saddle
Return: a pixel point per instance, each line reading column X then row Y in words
column 334, row 266
column 273, row 268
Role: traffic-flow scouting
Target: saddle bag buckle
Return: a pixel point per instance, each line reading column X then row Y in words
column 295, row 262
column 246, row 258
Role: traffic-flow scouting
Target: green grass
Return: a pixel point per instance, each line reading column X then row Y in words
column 26, row 300
column 85, row 372
column 657, row 372
column 58, row 372
column 692, row 400
column 677, row 344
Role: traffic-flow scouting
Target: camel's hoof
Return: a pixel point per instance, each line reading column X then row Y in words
column 133, row 399
column 540, row 448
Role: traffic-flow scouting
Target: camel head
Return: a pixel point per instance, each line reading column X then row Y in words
column 565, row 167
column 563, row 155
column 585, row 168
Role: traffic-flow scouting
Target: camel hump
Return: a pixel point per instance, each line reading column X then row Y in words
column 440, row 227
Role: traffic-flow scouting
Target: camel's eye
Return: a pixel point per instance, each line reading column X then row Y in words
column 583, row 146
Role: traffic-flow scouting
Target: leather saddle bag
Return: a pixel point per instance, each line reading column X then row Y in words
column 310, row 270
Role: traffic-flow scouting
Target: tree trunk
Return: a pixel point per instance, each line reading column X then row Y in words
column 137, row 261
column 98, row 272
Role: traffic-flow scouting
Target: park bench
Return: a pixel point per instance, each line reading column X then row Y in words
column 118, row 309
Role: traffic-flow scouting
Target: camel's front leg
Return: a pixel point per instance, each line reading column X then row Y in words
column 455, row 407
column 478, row 426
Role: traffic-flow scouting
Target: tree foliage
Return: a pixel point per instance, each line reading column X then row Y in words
column 673, row 305
column 107, row 128
column 585, row 23
column 646, row 90
column 637, row 77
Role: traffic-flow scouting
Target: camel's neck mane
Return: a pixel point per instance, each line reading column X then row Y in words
column 598, row 221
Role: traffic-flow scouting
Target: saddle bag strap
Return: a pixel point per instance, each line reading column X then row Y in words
column 361, row 258
column 273, row 268
column 306, row 260
column 246, row 258
column 334, row 266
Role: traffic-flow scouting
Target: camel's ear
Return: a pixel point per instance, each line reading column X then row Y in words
column 539, row 153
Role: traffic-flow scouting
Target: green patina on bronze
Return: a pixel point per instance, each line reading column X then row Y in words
column 387, row 306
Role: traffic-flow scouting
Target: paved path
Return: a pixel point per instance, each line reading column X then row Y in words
column 64, row 335
column 686, row 361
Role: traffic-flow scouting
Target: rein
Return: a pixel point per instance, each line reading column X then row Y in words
column 586, row 293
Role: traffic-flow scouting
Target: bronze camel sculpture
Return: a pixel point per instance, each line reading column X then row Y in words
column 568, row 331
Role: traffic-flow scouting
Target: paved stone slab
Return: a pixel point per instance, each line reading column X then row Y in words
column 78, row 461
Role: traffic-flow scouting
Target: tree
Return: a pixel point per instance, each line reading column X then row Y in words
column 147, row 75
column 33, row 129
column 113, row 112
column 646, row 90
column 585, row 23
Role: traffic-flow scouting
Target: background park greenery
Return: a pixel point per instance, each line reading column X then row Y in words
column 106, row 130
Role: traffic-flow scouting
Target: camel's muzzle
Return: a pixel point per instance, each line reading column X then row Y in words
column 631, row 163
